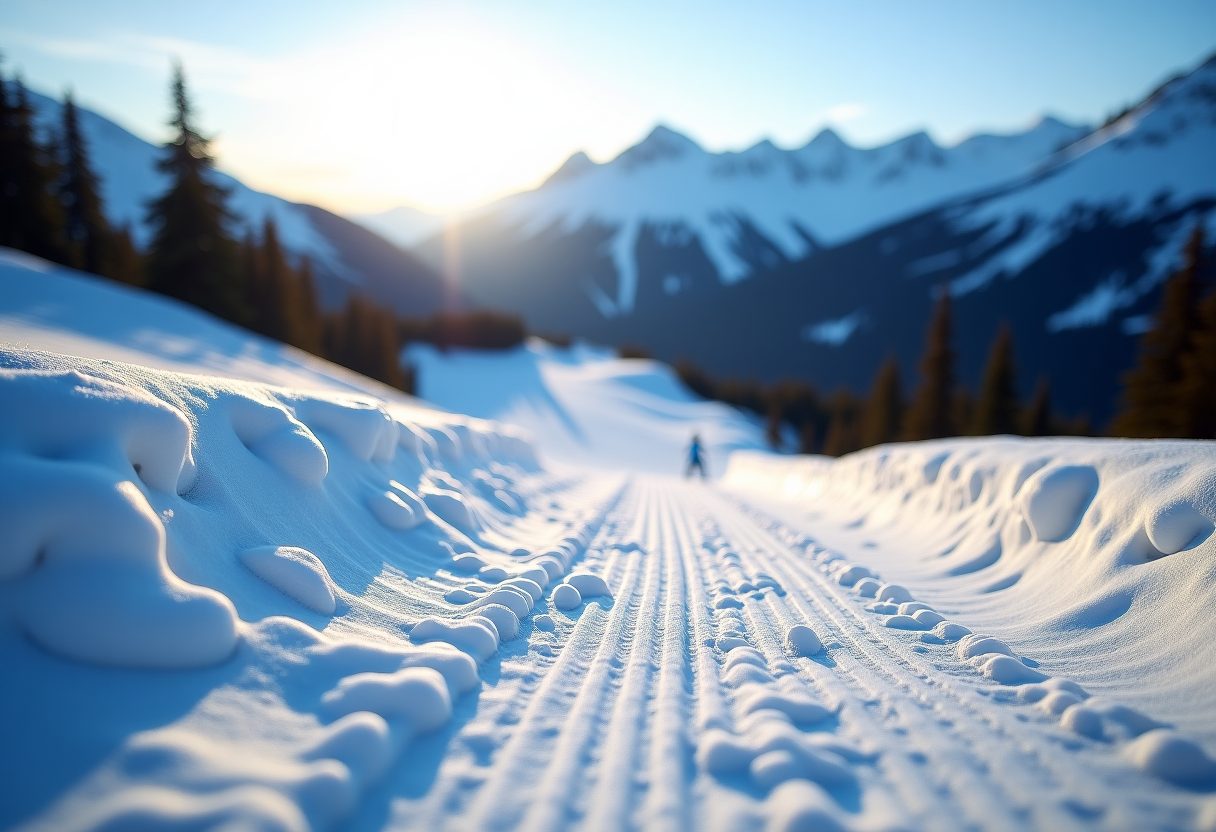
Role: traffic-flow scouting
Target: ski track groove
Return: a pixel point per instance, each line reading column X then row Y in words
column 603, row 736
column 1020, row 748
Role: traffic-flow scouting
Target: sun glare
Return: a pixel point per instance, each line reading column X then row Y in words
column 445, row 109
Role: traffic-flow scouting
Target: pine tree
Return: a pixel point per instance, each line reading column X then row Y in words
column 309, row 326
column 88, row 234
column 364, row 338
column 884, row 410
column 772, row 430
column 1152, row 388
column 126, row 262
column 963, row 410
column 192, row 256
column 271, row 286
column 1196, row 414
column 843, row 436
column 996, row 411
column 30, row 218
column 931, row 415
column 1037, row 421
column 806, row 437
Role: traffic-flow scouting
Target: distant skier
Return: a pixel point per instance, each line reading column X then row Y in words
column 696, row 457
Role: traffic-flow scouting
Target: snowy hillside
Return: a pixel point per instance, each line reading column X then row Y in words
column 585, row 406
column 346, row 256
column 582, row 405
column 241, row 588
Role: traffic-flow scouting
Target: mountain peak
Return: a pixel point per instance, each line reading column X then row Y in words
column 662, row 143
column 578, row 164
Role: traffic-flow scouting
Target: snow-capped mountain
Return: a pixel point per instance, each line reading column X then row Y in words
column 346, row 256
column 764, row 206
column 819, row 261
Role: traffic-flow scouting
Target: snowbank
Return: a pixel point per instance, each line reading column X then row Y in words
column 1095, row 557
column 48, row 307
column 585, row 406
column 201, row 588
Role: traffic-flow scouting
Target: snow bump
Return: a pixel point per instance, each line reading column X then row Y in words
column 295, row 572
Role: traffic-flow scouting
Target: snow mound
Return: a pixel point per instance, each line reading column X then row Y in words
column 84, row 550
column 295, row 572
column 135, row 506
column 1087, row 555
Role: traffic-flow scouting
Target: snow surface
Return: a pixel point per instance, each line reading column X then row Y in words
column 241, row 588
column 1061, row 544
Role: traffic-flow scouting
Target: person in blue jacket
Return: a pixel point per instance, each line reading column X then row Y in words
column 696, row 457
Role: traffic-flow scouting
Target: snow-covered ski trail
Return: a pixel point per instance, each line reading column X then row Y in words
column 678, row 703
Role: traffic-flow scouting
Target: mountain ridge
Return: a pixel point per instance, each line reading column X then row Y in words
column 1067, row 234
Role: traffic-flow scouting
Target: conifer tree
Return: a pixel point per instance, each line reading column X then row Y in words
column 1196, row 415
column 30, row 218
column 308, row 324
column 963, row 410
column 88, row 233
column 1037, row 421
column 126, row 263
column 996, row 411
column 842, row 436
column 364, row 338
column 192, row 256
column 1152, row 388
column 931, row 415
column 772, row 430
column 271, row 287
column 806, row 437
column 884, row 410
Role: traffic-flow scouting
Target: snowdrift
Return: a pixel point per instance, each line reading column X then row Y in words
column 1094, row 558
column 586, row 406
column 53, row 308
column 323, row 573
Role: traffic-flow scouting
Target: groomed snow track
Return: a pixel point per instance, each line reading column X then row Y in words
column 229, row 605
column 679, row 703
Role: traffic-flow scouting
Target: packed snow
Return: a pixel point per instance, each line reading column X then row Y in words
column 243, row 588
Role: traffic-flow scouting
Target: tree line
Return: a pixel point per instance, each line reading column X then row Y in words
column 1169, row 392
column 844, row 421
column 51, row 206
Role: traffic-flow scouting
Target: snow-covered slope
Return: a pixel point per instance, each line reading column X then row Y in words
column 316, row 604
column 1156, row 160
column 345, row 256
column 585, row 406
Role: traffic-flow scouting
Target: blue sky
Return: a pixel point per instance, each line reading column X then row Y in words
column 365, row 104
